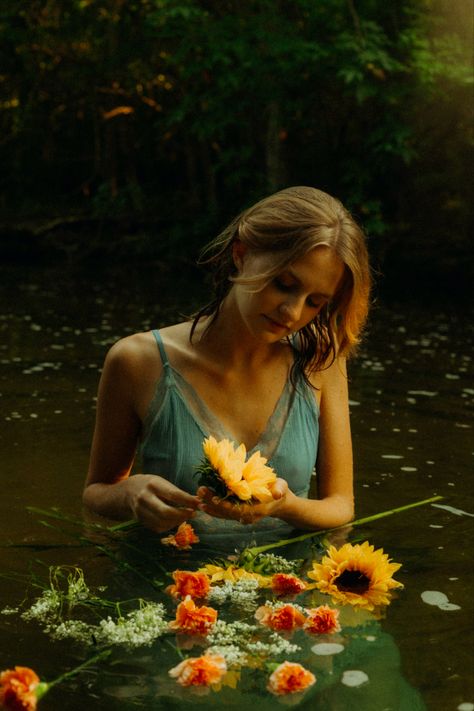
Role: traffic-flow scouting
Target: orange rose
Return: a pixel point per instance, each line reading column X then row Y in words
column 183, row 538
column 322, row 620
column 18, row 689
column 290, row 678
column 200, row 671
column 284, row 584
column 193, row 620
column 284, row 618
column 189, row 583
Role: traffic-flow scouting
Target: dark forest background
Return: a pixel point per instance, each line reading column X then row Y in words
column 133, row 130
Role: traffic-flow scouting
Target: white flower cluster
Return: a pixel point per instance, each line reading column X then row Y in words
column 9, row 610
column 139, row 627
column 232, row 654
column 276, row 563
column 72, row 629
column 45, row 608
column 243, row 592
column 273, row 647
column 237, row 641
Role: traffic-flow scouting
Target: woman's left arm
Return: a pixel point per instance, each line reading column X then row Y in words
column 335, row 503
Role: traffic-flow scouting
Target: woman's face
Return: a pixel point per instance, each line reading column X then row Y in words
column 292, row 298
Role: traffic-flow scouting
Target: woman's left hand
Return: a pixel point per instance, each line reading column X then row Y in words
column 242, row 512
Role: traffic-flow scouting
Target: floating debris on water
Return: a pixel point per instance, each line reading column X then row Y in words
column 438, row 599
column 326, row 648
column 451, row 509
column 354, row 677
column 392, row 456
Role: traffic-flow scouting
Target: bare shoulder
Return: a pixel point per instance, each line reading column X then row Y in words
column 331, row 379
column 134, row 356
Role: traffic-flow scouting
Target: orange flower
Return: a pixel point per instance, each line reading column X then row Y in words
column 189, row 583
column 191, row 619
column 200, row 671
column 284, row 584
column 284, row 618
column 183, row 538
column 18, row 689
column 290, row 678
column 322, row 620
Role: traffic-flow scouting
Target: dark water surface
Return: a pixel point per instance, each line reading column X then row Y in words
column 412, row 397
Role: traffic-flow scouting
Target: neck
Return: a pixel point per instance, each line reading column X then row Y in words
column 230, row 342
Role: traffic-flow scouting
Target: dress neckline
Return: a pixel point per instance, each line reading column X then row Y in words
column 284, row 402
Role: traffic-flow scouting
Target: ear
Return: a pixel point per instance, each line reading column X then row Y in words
column 239, row 250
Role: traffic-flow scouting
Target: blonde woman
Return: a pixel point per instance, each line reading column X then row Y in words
column 264, row 364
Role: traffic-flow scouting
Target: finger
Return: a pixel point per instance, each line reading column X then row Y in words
column 204, row 494
column 279, row 489
column 158, row 516
column 171, row 494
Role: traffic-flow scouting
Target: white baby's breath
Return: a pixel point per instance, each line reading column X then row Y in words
column 243, row 592
column 138, row 628
column 46, row 608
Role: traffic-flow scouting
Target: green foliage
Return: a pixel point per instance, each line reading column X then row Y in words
column 185, row 110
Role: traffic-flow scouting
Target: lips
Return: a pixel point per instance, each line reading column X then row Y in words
column 276, row 324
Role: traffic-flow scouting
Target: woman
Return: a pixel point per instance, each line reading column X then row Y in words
column 262, row 364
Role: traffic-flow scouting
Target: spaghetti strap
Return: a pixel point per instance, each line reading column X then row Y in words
column 160, row 344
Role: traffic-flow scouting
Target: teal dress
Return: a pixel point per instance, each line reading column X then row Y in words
column 178, row 421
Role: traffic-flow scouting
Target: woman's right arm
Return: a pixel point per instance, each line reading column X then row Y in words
column 109, row 489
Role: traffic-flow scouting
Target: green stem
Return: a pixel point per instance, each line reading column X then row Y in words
column 367, row 519
column 48, row 685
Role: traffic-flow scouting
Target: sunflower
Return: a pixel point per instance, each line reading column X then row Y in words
column 356, row 575
column 225, row 471
column 259, row 477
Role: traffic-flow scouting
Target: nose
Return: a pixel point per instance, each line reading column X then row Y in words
column 291, row 309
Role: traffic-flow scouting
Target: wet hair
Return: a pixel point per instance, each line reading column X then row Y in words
column 288, row 225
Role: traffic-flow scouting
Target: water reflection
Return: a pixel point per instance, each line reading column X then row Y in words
column 411, row 402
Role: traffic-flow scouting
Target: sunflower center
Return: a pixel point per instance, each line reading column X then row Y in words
column 353, row 581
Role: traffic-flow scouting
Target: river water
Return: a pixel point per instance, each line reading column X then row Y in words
column 412, row 397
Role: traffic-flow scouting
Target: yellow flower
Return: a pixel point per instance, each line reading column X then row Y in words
column 218, row 573
column 222, row 455
column 356, row 575
column 259, row 477
column 228, row 463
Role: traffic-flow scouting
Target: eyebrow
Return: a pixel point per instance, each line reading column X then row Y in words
column 314, row 293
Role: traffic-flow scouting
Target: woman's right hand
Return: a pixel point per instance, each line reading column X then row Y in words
column 158, row 504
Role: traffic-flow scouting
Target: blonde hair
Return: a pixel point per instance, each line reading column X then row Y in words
column 287, row 225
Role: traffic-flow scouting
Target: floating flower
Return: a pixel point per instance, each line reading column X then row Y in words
column 183, row 538
column 191, row 619
column 232, row 573
column 289, row 678
column 201, row 671
column 225, row 471
column 280, row 617
column 189, row 583
column 19, row 689
column 356, row 575
column 285, row 584
column 322, row 620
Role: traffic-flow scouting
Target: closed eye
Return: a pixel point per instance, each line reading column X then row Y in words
column 293, row 288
